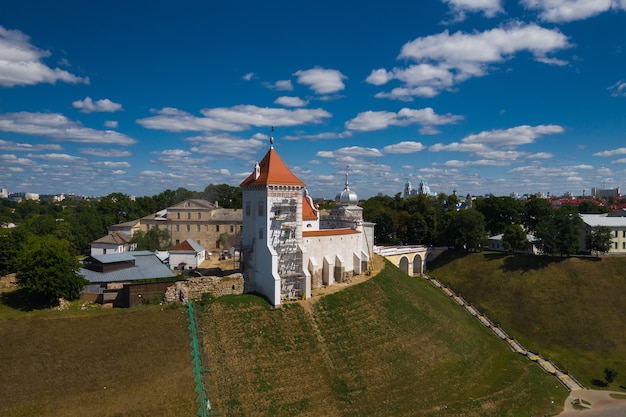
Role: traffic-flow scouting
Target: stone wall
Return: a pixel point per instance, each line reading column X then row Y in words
column 194, row 288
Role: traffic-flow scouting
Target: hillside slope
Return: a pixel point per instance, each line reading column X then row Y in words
column 570, row 309
column 392, row 345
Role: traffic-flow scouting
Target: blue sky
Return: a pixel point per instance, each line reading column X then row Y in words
column 481, row 96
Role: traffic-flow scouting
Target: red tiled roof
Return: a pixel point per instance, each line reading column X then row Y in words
column 273, row 171
column 308, row 211
column 184, row 245
column 330, row 232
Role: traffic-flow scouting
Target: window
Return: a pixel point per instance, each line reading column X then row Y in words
column 247, row 208
column 188, row 215
column 623, row 245
column 178, row 228
column 199, row 216
column 261, row 234
column 177, row 241
column 178, row 215
column 189, row 228
column 198, row 228
column 217, row 227
column 232, row 229
column 615, row 245
column 616, row 232
column 260, row 208
column 623, row 233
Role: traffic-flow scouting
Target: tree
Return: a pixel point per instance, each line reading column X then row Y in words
column 46, row 268
column 610, row 374
column 533, row 211
column 152, row 240
column 559, row 233
column 599, row 240
column 514, row 238
column 466, row 229
column 499, row 213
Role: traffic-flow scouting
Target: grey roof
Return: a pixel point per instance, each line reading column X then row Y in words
column 113, row 238
column 147, row 265
column 603, row 220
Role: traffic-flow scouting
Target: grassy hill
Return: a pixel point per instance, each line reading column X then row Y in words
column 111, row 363
column 390, row 346
column 570, row 309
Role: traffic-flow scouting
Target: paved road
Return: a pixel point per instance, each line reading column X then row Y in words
column 602, row 404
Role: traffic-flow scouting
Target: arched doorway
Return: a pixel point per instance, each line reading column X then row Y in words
column 404, row 264
column 417, row 265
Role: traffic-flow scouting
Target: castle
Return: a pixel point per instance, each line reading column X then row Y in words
column 288, row 248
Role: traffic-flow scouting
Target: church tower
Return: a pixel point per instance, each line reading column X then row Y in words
column 272, row 231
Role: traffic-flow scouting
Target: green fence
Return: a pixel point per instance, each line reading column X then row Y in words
column 202, row 399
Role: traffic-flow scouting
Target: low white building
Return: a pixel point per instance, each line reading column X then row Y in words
column 115, row 242
column 616, row 224
column 495, row 243
column 187, row 255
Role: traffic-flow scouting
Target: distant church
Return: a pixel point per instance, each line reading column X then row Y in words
column 423, row 188
column 288, row 248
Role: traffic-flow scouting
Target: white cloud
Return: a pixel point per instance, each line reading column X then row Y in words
column 320, row 136
column 226, row 146
column 445, row 60
column 105, row 153
column 20, row 62
column 351, row 151
column 175, row 152
column 89, row 106
column 560, row 11
column 111, row 124
column 280, row 85
column 231, row 119
column 57, row 157
column 618, row 89
column 619, row 161
column 321, row 80
column 404, row 147
column 6, row 145
column 112, row 164
column 60, row 128
column 458, row 147
column 487, row 7
column 520, row 135
column 378, row 120
column 288, row 101
column 618, row 151
column 248, row 76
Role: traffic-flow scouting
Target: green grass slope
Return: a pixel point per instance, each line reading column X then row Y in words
column 390, row 346
column 569, row 309
column 105, row 363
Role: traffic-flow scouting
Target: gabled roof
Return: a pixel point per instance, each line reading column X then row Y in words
column 308, row 211
column 273, row 171
column 188, row 245
column 113, row 238
column 193, row 203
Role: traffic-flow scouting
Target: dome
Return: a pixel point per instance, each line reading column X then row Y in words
column 347, row 196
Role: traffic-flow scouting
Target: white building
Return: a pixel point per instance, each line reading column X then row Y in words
column 617, row 225
column 115, row 242
column 288, row 248
column 187, row 255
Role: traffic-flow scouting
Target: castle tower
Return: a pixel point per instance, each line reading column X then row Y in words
column 272, row 231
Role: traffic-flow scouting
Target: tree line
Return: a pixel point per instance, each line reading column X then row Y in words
column 423, row 219
column 51, row 235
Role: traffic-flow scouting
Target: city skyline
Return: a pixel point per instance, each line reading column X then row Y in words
column 481, row 96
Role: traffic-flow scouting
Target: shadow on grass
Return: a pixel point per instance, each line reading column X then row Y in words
column 599, row 383
column 524, row 262
column 23, row 300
